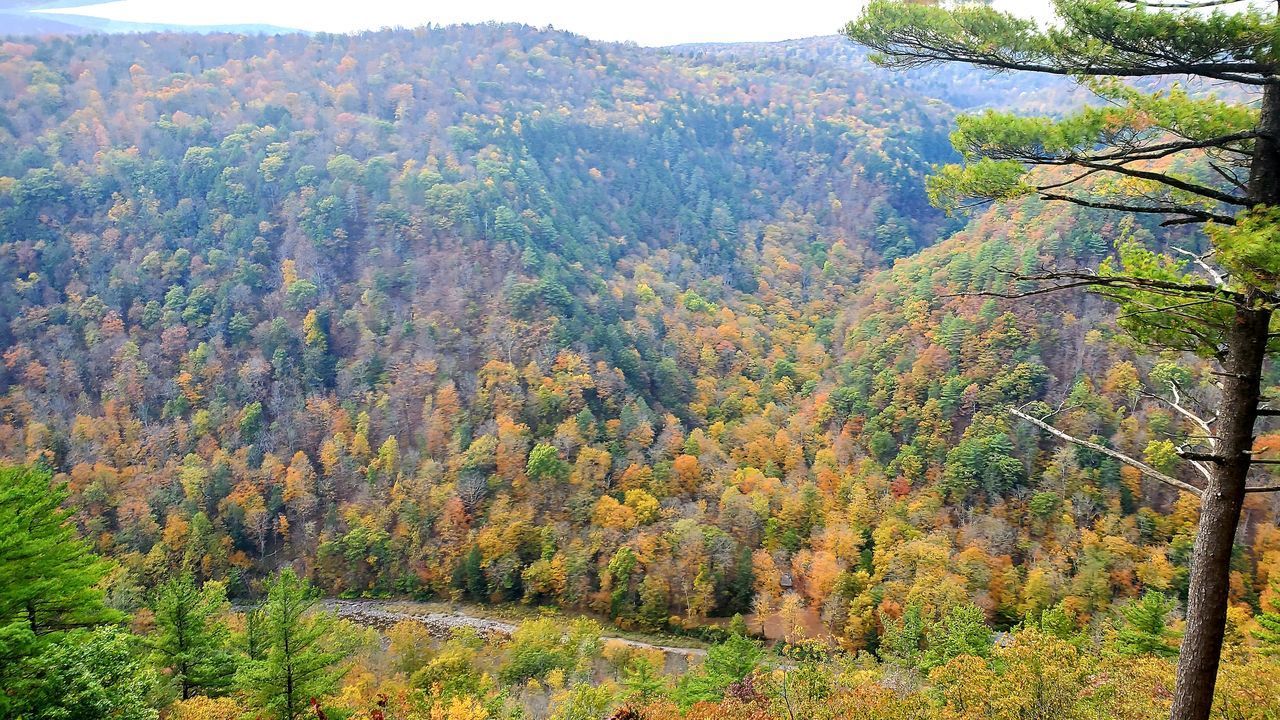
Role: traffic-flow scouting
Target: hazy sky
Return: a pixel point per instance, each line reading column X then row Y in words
column 648, row 22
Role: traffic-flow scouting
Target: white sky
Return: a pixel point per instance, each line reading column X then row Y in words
column 649, row 22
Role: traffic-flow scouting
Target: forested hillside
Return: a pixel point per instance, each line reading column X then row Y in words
column 501, row 314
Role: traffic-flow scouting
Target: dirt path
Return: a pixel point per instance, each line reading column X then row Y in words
column 382, row 615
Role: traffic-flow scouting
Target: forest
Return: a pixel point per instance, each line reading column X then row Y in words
column 640, row 347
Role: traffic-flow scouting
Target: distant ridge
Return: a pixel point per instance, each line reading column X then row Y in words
column 25, row 17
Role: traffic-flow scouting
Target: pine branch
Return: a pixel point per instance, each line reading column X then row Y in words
column 1200, row 215
column 1190, row 5
column 1173, row 182
column 1142, row 467
column 909, row 49
column 1124, row 152
column 1089, row 279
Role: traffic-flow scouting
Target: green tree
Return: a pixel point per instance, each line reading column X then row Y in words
column 92, row 674
column 903, row 637
column 50, row 577
column 544, row 462
column 191, row 638
column 1144, row 629
column 301, row 654
column 1268, row 632
column 1218, row 304
column 961, row 631
column 468, row 575
column 584, row 701
column 642, row 681
column 51, row 665
column 727, row 662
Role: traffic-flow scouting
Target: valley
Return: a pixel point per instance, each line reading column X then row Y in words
column 534, row 354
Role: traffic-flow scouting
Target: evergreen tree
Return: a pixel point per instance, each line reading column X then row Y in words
column 90, row 675
column 1144, row 630
column 191, row 636
column 1218, row 304
column 642, row 682
column 727, row 662
column 52, row 663
column 903, row 637
column 50, row 575
column 733, row 659
column 962, row 631
column 468, row 576
column 301, row 655
column 1268, row 632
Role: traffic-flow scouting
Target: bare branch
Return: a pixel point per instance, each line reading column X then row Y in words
column 1155, row 152
column 1142, row 467
column 1205, row 426
column 1218, row 278
column 1180, row 221
column 1202, row 469
column 1078, row 279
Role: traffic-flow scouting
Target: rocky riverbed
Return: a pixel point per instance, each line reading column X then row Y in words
column 384, row 614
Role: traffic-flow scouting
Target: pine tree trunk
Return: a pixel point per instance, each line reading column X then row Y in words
column 1219, row 516
column 1224, row 497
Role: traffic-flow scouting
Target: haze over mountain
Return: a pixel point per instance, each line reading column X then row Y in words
column 651, row 24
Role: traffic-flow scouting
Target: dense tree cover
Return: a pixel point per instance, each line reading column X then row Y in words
column 1218, row 303
column 466, row 326
column 505, row 315
column 264, row 313
column 294, row 659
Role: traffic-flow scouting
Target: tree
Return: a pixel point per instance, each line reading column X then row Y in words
column 961, row 631
column 903, row 637
column 1218, row 304
column 642, row 681
column 1144, row 630
column 301, row 657
column 1268, row 632
column 51, row 576
column 728, row 662
column 545, row 463
column 50, row 662
column 94, row 674
column 191, row 636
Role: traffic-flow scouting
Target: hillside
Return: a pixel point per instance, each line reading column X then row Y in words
column 30, row 18
column 503, row 314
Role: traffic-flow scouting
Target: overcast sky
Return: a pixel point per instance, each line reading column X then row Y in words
column 648, row 22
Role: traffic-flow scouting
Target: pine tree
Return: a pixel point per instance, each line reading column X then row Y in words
column 1144, row 630
column 301, row 654
column 468, row 575
column 727, row 662
column 50, row 575
column 733, row 659
column 962, row 631
column 1218, row 304
column 1268, row 632
column 642, row 682
column 191, row 636
column 903, row 637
